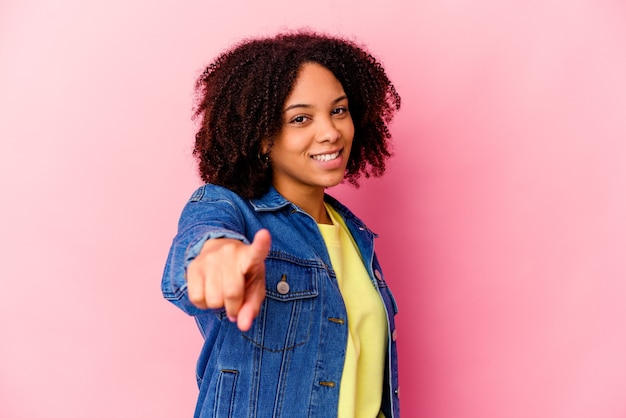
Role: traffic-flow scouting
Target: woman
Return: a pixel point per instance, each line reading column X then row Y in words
column 281, row 278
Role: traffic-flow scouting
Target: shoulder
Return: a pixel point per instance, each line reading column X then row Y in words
column 213, row 203
column 211, row 192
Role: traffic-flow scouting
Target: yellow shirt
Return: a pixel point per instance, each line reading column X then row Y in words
column 361, row 386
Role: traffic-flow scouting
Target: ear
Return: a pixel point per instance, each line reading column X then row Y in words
column 266, row 145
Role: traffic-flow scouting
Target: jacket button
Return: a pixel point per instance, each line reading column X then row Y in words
column 394, row 335
column 378, row 275
column 283, row 287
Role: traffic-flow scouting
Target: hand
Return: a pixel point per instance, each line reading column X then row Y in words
column 228, row 273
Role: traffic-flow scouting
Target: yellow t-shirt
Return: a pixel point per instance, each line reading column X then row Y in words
column 361, row 388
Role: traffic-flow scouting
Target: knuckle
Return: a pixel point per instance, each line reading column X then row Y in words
column 196, row 299
column 213, row 297
column 232, row 292
column 213, row 303
column 193, row 292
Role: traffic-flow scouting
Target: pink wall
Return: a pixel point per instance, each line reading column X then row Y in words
column 501, row 218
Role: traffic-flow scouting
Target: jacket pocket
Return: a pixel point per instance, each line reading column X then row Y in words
column 284, row 321
column 225, row 394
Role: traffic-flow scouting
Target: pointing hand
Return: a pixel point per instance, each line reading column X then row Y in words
column 228, row 273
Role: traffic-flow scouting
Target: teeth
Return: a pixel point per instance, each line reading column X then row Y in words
column 326, row 157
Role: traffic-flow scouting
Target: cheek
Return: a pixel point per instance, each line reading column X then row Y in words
column 349, row 131
column 346, row 127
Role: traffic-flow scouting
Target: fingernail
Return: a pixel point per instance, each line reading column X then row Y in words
column 232, row 318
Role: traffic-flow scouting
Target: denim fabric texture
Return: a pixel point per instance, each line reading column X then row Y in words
column 289, row 363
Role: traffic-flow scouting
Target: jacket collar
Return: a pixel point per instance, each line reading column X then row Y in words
column 270, row 201
column 273, row 201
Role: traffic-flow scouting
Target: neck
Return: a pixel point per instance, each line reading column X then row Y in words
column 320, row 214
column 310, row 201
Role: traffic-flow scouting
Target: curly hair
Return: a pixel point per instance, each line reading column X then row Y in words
column 240, row 98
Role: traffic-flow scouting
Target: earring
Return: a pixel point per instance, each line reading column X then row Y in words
column 264, row 159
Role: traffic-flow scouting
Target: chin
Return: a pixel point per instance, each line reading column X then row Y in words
column 333, row 183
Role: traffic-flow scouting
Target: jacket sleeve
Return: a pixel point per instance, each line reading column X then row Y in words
column 203, row 218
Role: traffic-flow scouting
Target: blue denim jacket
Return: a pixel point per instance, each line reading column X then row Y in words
column 289, row 363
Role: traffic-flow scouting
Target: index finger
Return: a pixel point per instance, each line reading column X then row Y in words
column 257, row 251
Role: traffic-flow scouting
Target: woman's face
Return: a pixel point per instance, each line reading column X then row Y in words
column 313, row 146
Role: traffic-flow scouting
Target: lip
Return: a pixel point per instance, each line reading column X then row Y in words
column 334, row 164
column 338, row 150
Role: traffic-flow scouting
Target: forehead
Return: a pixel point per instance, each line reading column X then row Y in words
column 315, row 83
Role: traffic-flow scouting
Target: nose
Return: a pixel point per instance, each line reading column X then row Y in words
column 328, row 131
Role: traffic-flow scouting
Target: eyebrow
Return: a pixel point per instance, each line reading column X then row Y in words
column 307, row 106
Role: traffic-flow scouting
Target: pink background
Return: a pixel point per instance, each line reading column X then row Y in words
column 502, row 217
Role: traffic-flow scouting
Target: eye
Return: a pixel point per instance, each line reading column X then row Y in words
column 299, row 120
column 339, row 111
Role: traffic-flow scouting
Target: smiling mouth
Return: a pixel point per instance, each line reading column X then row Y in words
column 326, row 157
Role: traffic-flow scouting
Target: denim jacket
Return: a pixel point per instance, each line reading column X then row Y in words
column 290, row 362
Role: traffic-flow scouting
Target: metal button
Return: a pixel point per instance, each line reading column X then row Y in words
column 378, row 275
column 394, row 335
column 283, row 287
